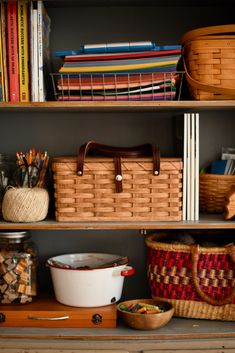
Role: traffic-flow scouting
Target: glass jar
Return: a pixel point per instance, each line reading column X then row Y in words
column 7, row 167
column 18, row 268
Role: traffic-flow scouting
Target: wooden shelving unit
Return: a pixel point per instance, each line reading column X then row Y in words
column 83, row 119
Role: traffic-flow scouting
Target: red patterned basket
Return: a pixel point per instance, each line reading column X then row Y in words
column 198, row 281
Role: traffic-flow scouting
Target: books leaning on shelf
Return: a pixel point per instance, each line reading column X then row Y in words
column 24, row 50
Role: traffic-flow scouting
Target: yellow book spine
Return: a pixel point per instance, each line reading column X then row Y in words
column 23, row 50
column 1, row 69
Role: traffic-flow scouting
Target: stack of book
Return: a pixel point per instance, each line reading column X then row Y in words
column 191, row 167
column 119, row 71
column 24, row 50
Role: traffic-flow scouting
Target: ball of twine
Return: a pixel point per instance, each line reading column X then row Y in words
column 25, row 204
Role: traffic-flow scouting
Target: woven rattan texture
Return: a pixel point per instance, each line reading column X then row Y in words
column 213, row 188
column 92, row 197
column 169, row 271
column 210, row 60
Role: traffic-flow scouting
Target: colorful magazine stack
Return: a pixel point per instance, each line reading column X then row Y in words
column 118, row 71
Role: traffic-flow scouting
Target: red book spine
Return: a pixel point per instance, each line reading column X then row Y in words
column 12, row 47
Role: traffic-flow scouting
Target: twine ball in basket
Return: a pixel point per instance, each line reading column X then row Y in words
column 25, row 204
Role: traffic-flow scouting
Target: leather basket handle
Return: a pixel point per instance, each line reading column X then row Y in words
column 116, row 153
column 195, row 256
column 205, row 31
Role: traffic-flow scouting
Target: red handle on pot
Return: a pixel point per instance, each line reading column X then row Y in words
column 128, row 271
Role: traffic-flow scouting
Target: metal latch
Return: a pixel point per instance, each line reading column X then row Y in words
column 96, row 319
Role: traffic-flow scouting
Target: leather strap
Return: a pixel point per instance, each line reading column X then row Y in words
column 195, row 258
column 205, row 31
column 117, row 153
column 118, row 174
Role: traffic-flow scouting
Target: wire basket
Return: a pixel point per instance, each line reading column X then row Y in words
column 117, row 86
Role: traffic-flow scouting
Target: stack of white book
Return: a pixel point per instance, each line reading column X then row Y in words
column 40, row 26
column 191, row 167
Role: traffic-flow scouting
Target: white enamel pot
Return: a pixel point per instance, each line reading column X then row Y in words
column 88, row 279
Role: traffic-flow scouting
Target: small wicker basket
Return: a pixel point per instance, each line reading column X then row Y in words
column 208, row 57
column 212, row 191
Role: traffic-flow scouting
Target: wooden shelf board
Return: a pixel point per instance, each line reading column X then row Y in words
column 120, row 106
column 176, row 329
column 205, row 222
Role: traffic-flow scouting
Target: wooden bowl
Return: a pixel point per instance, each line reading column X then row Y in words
column 146, row 321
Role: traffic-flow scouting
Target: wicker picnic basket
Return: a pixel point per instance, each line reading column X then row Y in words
column 199, row 281
column 124, row 185
column 209, row 62
column 212, row 191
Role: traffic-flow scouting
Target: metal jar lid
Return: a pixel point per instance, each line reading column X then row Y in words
column 14, row 235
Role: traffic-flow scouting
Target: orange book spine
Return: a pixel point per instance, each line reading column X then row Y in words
column 12, row 47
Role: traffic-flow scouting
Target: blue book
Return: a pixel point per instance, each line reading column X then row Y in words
column 218, row 166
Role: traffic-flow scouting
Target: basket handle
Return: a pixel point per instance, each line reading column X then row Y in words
column 204, row 86
column 205, row 31
column 195, row 256
column 118, row 152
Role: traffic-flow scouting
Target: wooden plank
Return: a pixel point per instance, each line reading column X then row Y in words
column 177, row 329
column 174, row 106
column 115, row 346
column 50, row 350
column 206, row 221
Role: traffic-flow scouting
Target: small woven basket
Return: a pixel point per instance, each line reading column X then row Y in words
column 212, row 191
column 208, row 56
column 25, row 204
column 198, row 281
